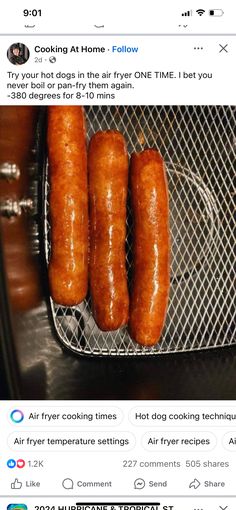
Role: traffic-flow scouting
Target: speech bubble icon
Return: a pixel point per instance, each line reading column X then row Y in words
column 67, row 483
column 139, row 483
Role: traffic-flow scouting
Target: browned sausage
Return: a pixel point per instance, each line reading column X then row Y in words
column 150, row 286
column 108, row 183
column 68, row 266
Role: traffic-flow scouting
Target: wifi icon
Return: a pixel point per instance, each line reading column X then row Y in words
column 200, row 12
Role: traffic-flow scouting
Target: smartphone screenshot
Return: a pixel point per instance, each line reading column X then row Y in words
column 117, row 255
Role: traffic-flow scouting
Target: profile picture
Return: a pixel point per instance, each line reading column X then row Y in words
column 15, row 506
column 18, row 54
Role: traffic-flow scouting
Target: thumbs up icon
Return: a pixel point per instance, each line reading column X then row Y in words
column 16, row 484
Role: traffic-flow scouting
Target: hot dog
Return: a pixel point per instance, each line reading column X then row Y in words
column 108, row 183
column 151, row 273
column 68, row 266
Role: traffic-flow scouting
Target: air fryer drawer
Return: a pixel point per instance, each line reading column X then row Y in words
column 198, row 145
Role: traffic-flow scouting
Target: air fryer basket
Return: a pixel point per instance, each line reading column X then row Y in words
column 198, row 145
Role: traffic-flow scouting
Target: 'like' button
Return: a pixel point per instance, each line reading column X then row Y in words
column 16, row 484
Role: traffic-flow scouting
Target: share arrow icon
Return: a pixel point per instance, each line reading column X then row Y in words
column 194, row 484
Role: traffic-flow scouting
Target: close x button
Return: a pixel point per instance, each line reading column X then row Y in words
column 223, row 48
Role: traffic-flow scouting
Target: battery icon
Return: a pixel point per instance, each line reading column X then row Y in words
column 216, row 12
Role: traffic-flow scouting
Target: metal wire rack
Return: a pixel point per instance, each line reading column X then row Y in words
column 198, row 144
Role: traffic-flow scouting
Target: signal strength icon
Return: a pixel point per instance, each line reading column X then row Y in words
column 187, row 13
column 200, row 12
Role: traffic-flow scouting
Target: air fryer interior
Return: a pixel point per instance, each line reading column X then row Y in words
column 198, row 147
